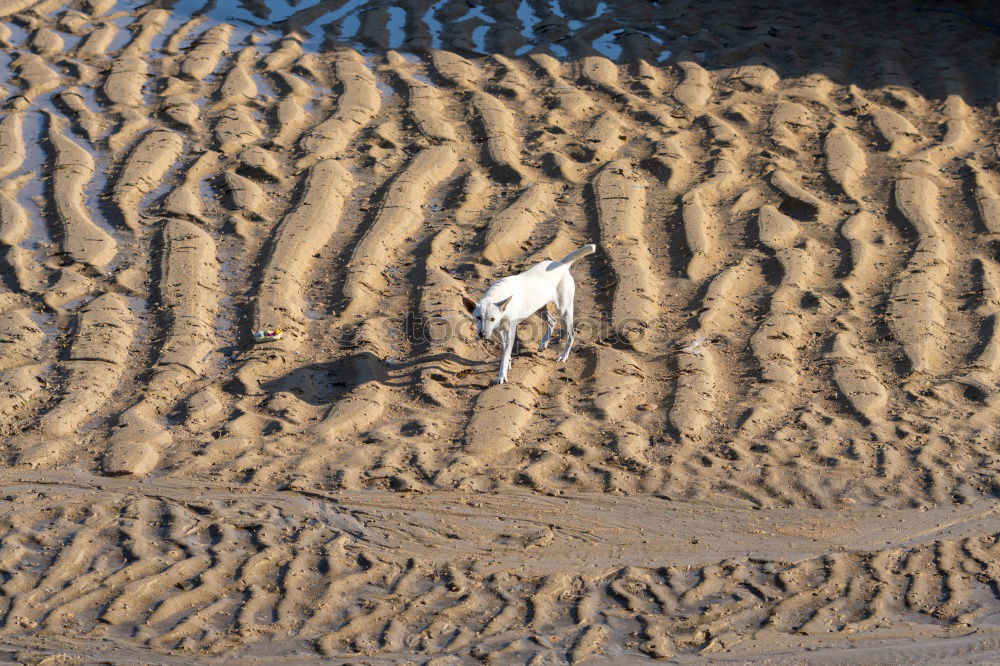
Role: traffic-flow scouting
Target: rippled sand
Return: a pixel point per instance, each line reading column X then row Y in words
column 776, row 440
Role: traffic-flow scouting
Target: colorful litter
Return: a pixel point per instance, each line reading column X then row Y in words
column 268, row 335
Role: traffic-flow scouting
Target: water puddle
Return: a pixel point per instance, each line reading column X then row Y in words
column 273, row 11
column 180, row 13
column 344, row 14
column 93, row 201
column 264, row 87
column 384, row 89
column 479, row 38
column 602, row 8
column 18, row 36
column 477, row 12
column 608, row 46
column 150, row 203
column 32, row 194
column 434, row 25
column 225, row 322
column 423, row 78
column 229, row 12
column 45, row 320
column 479, row 33
column 529, row 19
column 73, row 305
column 123, row 36
column 396, row 27
column 70, row 41
column 315, row 312
column 90, row 98
column 231, row 315
column 349, row 27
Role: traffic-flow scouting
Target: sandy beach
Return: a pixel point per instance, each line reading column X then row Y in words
column 775, row 441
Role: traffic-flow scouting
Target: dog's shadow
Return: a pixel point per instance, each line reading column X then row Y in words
column 324, row 383
column 321, row 384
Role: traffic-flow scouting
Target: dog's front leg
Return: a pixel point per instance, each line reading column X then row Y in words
column 507, row 336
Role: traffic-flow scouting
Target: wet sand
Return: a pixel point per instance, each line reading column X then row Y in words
column 775, row 441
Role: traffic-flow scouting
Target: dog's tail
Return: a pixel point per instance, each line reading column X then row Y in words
column 576, row 254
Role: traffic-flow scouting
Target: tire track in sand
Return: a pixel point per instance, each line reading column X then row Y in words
column 502, row 139
column 701, row 223
column 143, row 171
column 399, row 216
column 188, row 293
column 620, row 194
column 21, row 362
column 96, row 359
column 359, row 101
column 300, row 235
column 425, row 103
column 509, row 229
column 776, row 342
column 15, row 224
column 916, row 309
column 700, row 381
column 72, row 170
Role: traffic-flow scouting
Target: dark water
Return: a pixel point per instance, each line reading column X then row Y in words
column 794, row 38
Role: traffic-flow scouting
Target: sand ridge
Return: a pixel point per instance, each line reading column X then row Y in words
column 777, row 430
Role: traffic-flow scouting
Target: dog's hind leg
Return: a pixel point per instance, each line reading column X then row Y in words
column 550, row 323
column 565, row 292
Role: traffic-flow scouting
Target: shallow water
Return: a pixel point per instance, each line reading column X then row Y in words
column 321, row 22
column 397, row 27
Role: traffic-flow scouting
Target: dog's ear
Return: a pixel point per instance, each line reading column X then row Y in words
column 502, row 305
column 469, row 304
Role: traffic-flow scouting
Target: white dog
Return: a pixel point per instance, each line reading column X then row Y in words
column 513, row 299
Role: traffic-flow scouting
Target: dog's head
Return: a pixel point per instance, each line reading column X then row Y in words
column 486, row 314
